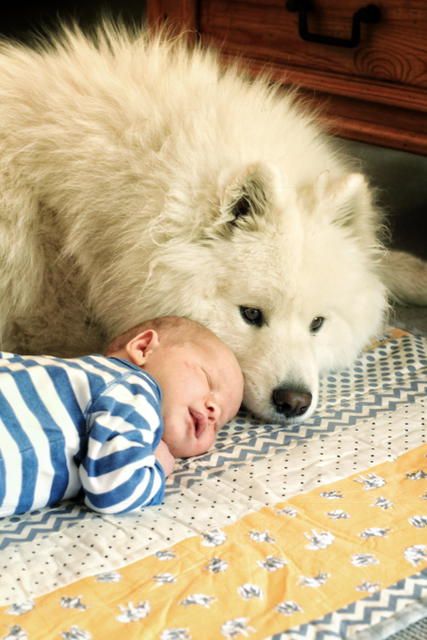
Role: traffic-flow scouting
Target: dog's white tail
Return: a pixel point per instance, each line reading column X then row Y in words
column 405, row 277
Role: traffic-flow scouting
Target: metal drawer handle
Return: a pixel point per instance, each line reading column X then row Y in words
column 371, row 14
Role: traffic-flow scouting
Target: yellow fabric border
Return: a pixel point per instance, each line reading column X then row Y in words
column 272, row 570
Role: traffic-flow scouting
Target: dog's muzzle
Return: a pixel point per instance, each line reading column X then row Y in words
column 291, row 403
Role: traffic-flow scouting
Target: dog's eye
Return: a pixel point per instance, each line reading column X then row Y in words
column 316, row 324
column 252, row 315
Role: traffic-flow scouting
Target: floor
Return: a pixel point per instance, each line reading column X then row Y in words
column 414, row 319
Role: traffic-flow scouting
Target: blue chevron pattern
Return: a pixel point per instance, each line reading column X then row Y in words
column 265, row 439
column 362, row 613
column 39, row 523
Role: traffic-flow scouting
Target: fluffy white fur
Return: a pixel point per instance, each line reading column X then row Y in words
column 139, row 179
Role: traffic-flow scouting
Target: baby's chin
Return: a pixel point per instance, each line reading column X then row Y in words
column 180, row 450
column 189, row 451
column 184, row 452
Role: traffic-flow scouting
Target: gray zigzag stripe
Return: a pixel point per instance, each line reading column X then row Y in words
column 49, row 521
column 412, row 588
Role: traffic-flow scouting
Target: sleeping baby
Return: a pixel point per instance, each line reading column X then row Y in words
column 110, row 426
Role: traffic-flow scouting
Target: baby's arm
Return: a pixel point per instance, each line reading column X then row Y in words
column 120, row 471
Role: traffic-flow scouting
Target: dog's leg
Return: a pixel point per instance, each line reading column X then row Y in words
column 405, row 277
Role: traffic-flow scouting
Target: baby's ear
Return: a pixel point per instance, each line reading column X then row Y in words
column 142, row 346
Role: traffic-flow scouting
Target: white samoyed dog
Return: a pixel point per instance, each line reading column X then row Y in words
column 140, row 178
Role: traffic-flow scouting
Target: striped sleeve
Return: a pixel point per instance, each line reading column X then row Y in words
column 119, row 472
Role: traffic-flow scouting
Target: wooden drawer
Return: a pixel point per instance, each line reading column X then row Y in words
column 394, row 50
column 375, row 92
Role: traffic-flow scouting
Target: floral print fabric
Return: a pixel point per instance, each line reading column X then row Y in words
column 272, row 570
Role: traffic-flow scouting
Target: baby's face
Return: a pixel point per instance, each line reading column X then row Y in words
column 202, row 388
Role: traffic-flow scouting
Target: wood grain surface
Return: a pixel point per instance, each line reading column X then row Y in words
column 376, row 92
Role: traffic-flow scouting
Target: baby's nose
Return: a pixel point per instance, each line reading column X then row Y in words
column 213, row 410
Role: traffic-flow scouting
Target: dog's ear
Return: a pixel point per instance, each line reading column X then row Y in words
column 348, row 199
column 246, row 194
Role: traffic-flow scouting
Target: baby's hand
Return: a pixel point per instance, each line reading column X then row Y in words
column 165, row 457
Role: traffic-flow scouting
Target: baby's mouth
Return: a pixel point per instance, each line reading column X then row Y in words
column 199, row 421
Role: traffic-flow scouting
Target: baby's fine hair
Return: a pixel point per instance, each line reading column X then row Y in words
column 173, row 329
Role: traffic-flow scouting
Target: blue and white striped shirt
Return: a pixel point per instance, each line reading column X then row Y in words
column 66, row 425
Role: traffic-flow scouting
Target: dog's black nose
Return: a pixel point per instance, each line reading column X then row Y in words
column 291, row 402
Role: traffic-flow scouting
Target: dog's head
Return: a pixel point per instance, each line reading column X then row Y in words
column 290, row 282
column 285, row 276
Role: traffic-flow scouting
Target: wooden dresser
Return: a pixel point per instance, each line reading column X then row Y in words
column 374, row 90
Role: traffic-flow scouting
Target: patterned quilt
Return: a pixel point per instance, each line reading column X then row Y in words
column 311, row 532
